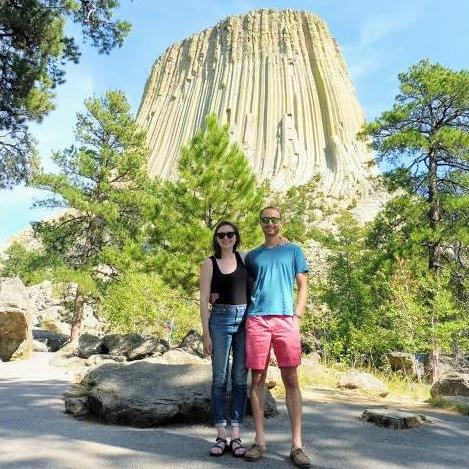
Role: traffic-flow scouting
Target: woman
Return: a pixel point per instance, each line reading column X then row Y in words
column 224, row 273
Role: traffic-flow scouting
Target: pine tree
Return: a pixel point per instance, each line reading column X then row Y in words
column 104, row 187
column 34, row 47
column 215, row 183
column 425, row 137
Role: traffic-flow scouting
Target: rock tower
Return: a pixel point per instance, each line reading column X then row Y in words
column 279, row 79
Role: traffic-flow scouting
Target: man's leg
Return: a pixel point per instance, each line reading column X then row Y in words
column 293, row 401
column 257, row 403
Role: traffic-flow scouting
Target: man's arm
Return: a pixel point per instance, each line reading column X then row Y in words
column 302, row 293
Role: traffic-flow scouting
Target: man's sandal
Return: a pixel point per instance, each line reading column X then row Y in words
column 220, row 447
column 237, row 448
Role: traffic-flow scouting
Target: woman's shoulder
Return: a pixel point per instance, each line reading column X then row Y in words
column 242, row 254
column 207, row 262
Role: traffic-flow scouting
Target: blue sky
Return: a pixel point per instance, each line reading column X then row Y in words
column 378, row 40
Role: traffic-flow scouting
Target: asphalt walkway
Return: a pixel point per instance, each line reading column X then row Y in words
column 36, row 433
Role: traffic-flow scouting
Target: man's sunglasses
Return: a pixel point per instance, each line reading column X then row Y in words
column 228, row 234
column 267, row 220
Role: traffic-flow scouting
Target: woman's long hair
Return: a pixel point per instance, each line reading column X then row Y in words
column 216, row 247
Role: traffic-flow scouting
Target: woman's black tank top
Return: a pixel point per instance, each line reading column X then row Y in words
column 231, row 288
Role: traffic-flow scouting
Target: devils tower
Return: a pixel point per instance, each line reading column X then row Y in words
column 278, row 78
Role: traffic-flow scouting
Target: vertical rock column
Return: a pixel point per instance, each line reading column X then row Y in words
column 279, row 80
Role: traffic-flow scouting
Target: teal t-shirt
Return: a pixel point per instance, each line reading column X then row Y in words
column 273, row 271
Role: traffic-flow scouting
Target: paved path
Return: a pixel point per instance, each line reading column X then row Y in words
column 35, row 433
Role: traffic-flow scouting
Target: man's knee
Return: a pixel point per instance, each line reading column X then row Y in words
column 290, row 377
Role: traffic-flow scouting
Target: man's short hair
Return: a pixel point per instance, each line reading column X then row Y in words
column 270, row 207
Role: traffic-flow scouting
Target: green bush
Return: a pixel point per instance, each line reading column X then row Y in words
column 144, row 303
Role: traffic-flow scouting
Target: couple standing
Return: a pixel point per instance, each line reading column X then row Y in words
column 253, row 312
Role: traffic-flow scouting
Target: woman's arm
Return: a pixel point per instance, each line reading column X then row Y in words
column 205, row 280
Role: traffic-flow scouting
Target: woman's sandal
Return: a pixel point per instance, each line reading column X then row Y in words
column 220, row 444
column 238, row 451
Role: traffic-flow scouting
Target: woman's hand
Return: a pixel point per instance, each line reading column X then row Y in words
column 207, row 341
column 282, row 241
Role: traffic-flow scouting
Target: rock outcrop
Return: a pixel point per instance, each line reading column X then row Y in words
column 16, row 340
column 278, row 78
column 452, row 384
column 364, row 381
column 148, row 393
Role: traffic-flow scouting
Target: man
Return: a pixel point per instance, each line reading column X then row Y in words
column 273, row 321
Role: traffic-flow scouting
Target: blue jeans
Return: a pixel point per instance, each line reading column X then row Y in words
column 227, row 331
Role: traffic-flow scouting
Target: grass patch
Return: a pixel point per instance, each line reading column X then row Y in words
column 321, row 377
column 442, row 403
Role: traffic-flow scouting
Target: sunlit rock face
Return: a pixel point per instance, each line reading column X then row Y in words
column 279, row 79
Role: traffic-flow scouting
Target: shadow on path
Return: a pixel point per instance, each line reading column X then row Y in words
column 36, row 433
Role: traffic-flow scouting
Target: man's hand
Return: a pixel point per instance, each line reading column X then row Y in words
column 213, row 297
column 207, row 342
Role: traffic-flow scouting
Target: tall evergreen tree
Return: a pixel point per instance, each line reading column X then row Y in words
column 104, row 187
column 425, row 137
column 215, row 183
column 34, row 48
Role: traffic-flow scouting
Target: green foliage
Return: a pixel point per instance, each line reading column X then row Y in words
column 34, row 48
column 380, row 294
column 102, row 183
column 300, row 207
column 425, row 136
column 31, row 266
column 215, row 183
column 143, row 303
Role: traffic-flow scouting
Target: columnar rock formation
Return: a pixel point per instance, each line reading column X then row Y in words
column 279, row 79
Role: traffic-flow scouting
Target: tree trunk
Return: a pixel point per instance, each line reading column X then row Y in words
column 434, row 215
column 77, row 318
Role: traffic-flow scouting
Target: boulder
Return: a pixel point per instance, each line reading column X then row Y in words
column 54, row 319
column 15, row 320
column 133, row 346
column 89, row 344
column 41, row 295
column 99, row 359
column 52, row 340
column 407, row 363
column 364, row 381
column 39, row 346
column 192, row 343
column 177, row 356
column 453, row 384
column 67, row 360
column 77, row 406
column 146, row 393
column 398, row 420
column 440, row 365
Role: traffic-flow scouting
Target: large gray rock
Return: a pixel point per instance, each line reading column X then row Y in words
column 15, row 320
column 147, row 394
column 364, row 381
column 192, row 343
column 177, row 356
column 453, row 384
column 89, row 344
column 406, row 363
column 100, row 359
column 395, row 419
column 52, row 340
column 132, row 346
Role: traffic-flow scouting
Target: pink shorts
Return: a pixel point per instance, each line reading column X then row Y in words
column 280, row 332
